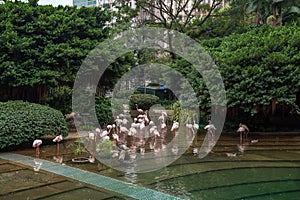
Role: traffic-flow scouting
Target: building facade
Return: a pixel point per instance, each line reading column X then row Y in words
column 85, row 3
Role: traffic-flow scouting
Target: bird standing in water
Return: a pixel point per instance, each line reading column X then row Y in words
column 211, row 130
column 57, row 139
column 243, row 130
column 36, row 144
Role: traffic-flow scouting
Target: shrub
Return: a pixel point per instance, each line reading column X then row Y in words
column 144, row 101
column 103, row 110
column 23, row 122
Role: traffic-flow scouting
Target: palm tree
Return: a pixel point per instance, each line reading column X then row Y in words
column 272, row 12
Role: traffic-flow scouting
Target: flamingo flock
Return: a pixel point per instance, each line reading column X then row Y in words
column 143, row 133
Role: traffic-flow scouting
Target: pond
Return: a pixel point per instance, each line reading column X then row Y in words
column 269, row 168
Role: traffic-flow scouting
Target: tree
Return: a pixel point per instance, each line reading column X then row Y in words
column 43, row 47
column 260, row 69
column 177, row 14
column 272, row 12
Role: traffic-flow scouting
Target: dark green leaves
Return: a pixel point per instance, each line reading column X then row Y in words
column 23, row 122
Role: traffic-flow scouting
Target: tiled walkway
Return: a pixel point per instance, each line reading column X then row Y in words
column 55, row 181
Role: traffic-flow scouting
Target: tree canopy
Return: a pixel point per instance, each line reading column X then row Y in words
column 42, row 47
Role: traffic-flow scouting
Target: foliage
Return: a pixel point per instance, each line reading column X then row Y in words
column 80, row 149
column 43, row 47
column 103, row 110
column 272, row 12
column 184, row 115
column 87, row 127
column 260, row 69
column 144, row 101
column 176, row 111
column 105, row 146
column 60, row 98
column 23, row 122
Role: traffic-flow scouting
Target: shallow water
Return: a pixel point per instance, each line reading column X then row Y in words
column 267, row 169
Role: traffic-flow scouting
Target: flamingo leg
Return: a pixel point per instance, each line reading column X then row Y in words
column 241, row 138
column 37, row 152
column 57, row 148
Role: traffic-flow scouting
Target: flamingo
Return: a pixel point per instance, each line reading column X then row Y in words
column 175, row 127
column 91, row 159
column 36, row 144
column 196, row 126
column 162, row 117
column 123, row 133
column 103, row 134
column 139, row 110
column 98, row 130
column 243, row 130
column 109, row 127
column 163, row 125
column 190, row 127
column 57, row 139
column 115, row 139
column 151, row 123
column 118, row 122
column 91, row 135
column 195, row 150
column 124, row 122
column 211, row 129
column 154, row 133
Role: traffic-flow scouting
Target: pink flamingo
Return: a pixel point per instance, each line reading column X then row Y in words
column 174, row 128
column 57, row 139
column 36, row 144
column 139, row 110
column 211, row 130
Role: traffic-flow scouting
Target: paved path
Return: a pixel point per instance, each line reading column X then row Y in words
column 32, row 186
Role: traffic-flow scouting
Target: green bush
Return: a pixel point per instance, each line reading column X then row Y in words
column 103, row 110
column 23, row 122
column 144, row 101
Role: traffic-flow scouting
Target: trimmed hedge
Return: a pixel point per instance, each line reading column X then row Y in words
column 23, row 122
column 144, row 101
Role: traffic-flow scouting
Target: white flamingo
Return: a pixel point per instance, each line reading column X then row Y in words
column 174, row 128
column 57, row 139
column 211, row 130
column 123, row 133
column 115, row 139
column 36, row 144
column 196, row 126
